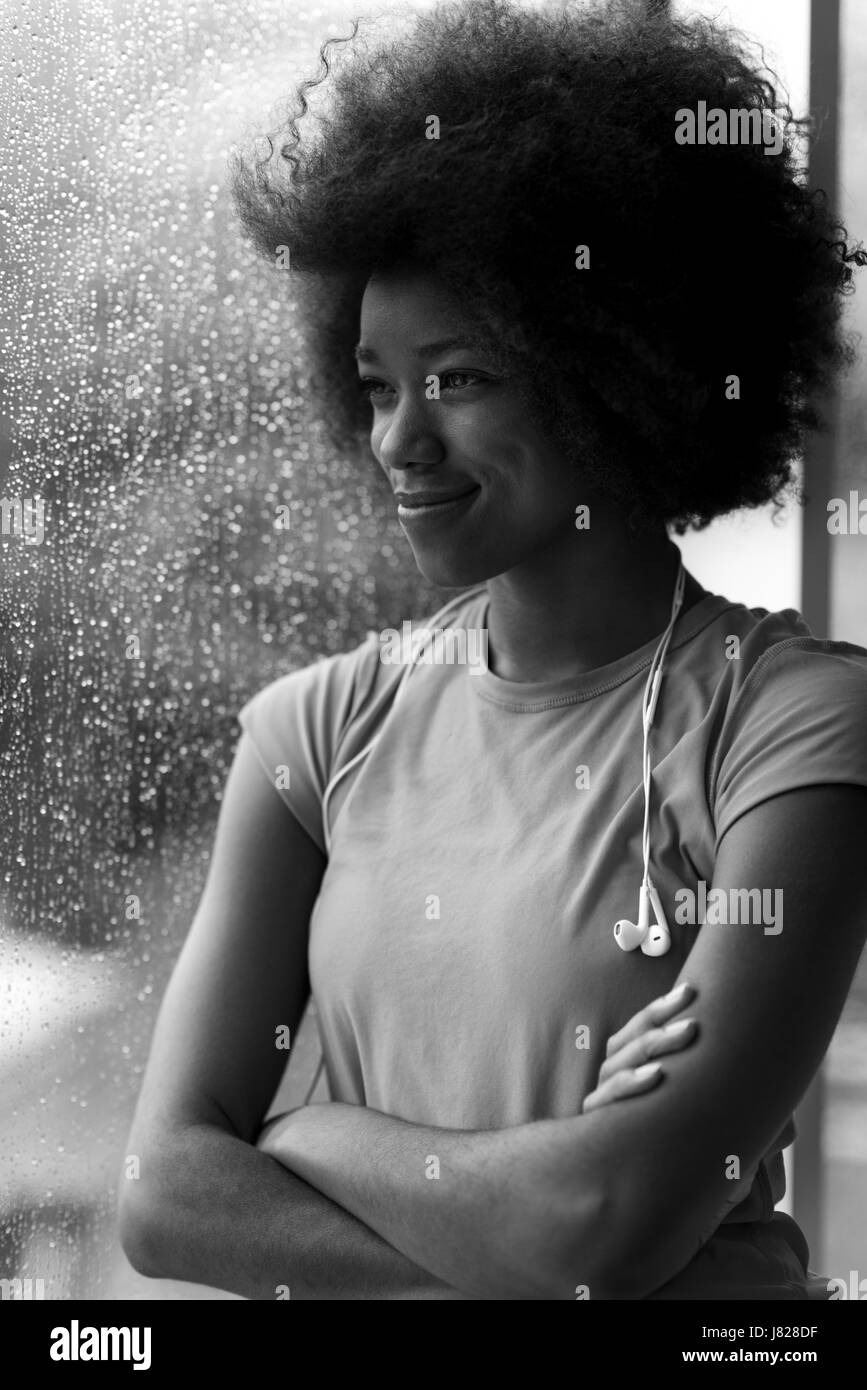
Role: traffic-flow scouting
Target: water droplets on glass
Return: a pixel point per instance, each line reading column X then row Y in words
column 151, row 394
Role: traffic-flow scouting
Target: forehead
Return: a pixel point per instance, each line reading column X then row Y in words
column 410, row 302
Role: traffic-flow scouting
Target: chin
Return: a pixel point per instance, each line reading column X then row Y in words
column 451, row 571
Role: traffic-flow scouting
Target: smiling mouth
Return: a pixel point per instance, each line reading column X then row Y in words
column 431, row 503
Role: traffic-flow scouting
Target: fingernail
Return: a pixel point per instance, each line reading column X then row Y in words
column 682, row 988
column 642, row 1073
column 680, row 1026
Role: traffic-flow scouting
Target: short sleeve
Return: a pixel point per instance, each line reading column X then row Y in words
column 297, row 723
column 799, row 720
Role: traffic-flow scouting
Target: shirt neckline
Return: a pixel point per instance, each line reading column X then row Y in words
column 527, row 696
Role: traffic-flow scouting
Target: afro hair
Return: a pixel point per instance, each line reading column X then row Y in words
column 554, row 130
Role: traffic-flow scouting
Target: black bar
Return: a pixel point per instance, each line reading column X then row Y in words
column 208, row 1337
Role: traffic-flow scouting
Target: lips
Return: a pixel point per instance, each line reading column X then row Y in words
column 427, row 498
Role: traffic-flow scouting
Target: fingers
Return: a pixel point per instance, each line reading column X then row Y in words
column 630, row 1067
column 657, row 1012
column 623, row 1084
column 655, row 1043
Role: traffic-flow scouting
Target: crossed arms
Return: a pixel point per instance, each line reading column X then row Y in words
column 336, row 1205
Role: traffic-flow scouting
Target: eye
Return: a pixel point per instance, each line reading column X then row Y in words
column 371, row 388
column 459, row 380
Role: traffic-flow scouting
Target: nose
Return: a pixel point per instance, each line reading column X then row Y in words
column 407, row 435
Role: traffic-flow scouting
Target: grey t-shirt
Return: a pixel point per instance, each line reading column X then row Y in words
column 461, row 951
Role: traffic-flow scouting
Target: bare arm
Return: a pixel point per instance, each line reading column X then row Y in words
column 208, row 1206
column 622, row 1198
column 236, row 1220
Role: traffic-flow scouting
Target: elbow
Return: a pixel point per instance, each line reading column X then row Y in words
column 604, row 1256
column 143, row 1221
column 573, row 1253
column 139, row 1234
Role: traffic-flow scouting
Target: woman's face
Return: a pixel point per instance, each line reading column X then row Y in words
column 480, row 489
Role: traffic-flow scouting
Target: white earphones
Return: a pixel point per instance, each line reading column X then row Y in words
column 654, row 938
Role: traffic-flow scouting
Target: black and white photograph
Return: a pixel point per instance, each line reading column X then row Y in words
column 433, row 695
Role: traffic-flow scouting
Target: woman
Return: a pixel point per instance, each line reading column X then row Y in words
column 572, row 331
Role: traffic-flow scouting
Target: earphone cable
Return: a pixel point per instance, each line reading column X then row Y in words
column 648, row 709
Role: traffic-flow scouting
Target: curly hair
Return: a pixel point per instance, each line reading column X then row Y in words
column 557, row 130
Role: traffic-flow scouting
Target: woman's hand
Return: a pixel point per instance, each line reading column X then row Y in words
column 628, row 1069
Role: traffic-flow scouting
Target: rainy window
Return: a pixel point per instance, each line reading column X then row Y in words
column 175, row 536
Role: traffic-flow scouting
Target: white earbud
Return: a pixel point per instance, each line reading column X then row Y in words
column 658, row 939
column 654, row 938
column 630, row 935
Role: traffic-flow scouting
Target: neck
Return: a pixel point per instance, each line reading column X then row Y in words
column 575, row 614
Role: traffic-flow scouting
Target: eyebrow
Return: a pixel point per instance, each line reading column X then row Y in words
column 363, row 353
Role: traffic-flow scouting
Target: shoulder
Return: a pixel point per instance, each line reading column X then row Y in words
column 777, row 663
column 341, row 688
column 756, row 656
column 791, row 712
column 326, row 690
column 307, row 723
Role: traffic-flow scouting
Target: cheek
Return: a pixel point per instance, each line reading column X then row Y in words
column 493, row 440
column 539, row 476
column 512, row 455
column 536, row 489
